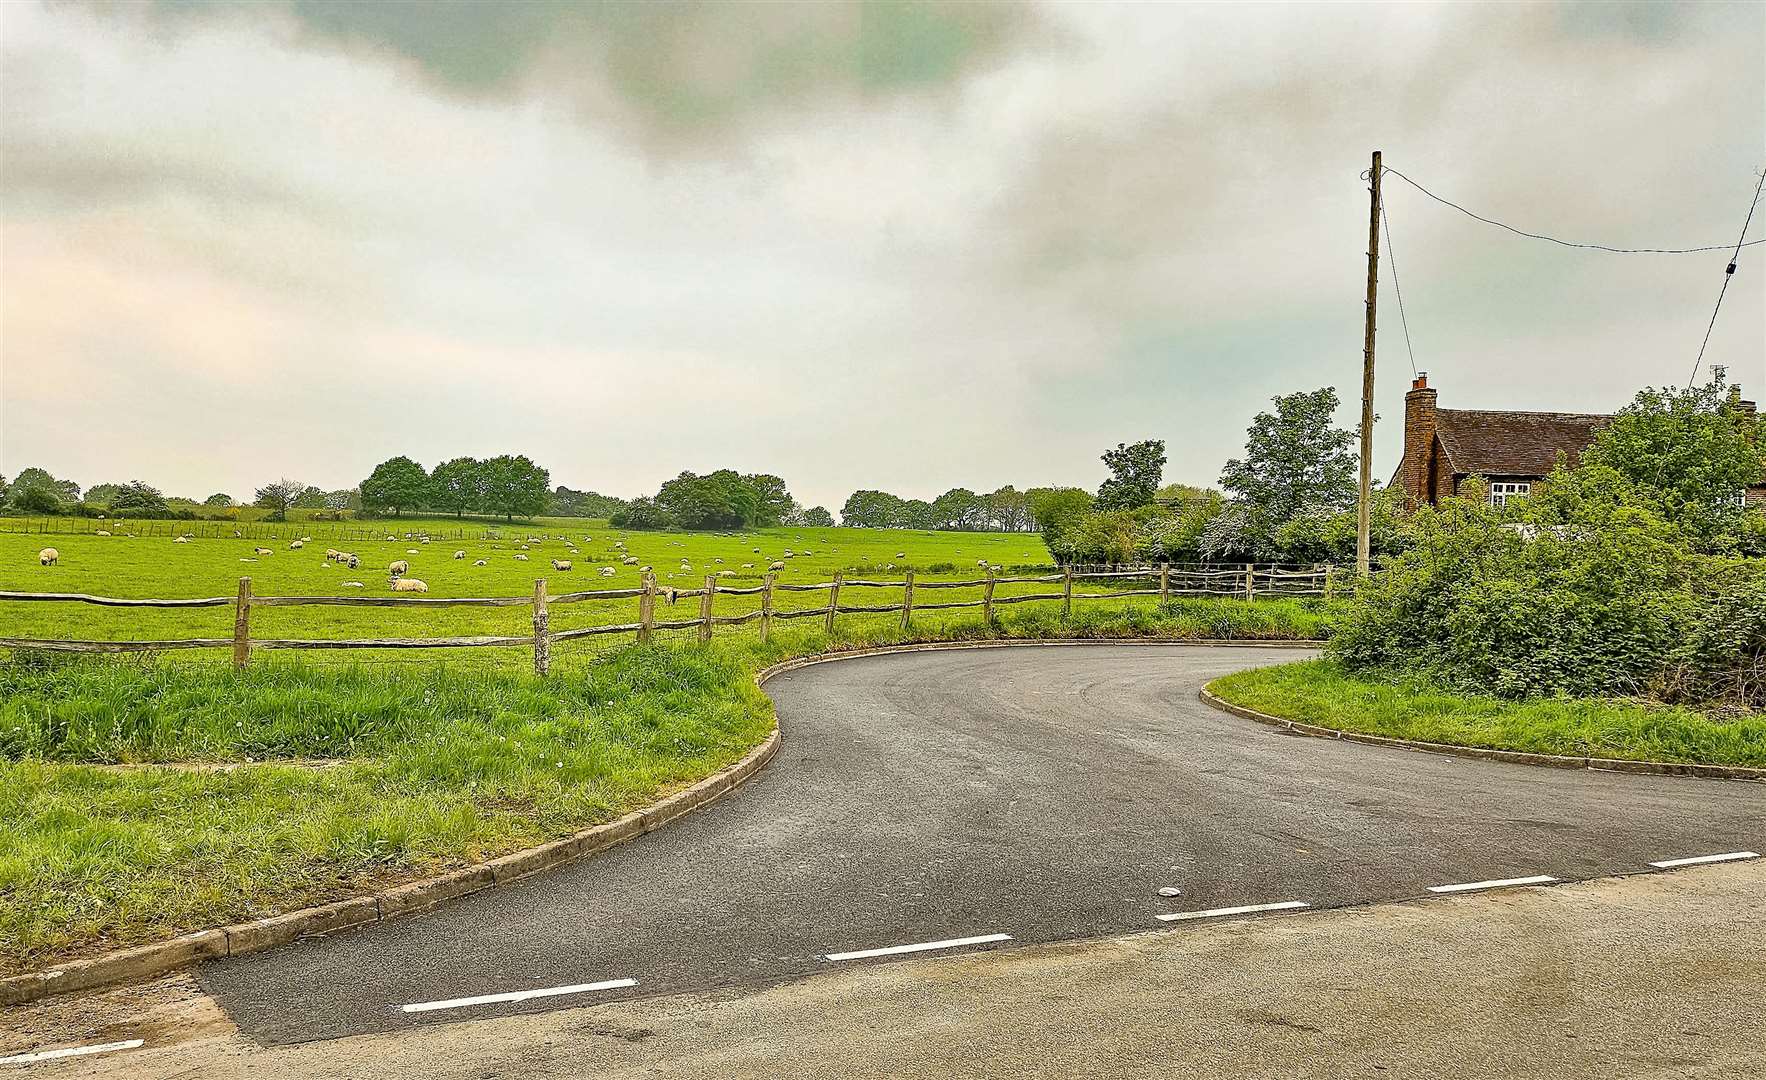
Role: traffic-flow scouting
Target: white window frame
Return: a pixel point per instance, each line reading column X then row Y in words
column 1502, row 491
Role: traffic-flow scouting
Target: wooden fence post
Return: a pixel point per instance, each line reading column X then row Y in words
column 1328, row 582
column 542, row 621
column 1067, row 591
column 987, row 599
column 907, row 600
column 1164, row 583
column 705, row 608
column 833, row 601
column 1250, row 580
column 647, row 609
column 242, row 624
column 766, row 607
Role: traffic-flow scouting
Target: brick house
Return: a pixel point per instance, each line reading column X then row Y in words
column 1510, row 448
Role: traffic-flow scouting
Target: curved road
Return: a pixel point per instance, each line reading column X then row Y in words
column 1042, row 793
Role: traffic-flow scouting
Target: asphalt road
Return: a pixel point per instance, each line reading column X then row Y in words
column 1043, row 793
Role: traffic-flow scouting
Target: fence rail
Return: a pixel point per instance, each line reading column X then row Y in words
column 1248, row 582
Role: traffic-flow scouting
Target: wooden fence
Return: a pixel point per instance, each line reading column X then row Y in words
column 1163, row 581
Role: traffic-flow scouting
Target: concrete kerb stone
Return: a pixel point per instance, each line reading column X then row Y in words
column 144, row 962
column 1554, row 761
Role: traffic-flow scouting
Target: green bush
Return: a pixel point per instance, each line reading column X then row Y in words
column 1585, row 590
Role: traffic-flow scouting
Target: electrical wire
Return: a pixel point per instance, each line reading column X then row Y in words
column 1555, row 240
column 1392, row 261
column 1728, row 275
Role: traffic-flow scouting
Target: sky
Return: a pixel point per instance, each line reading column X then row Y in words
column 896, row 246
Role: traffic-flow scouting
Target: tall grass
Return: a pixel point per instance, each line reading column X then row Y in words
column 435, row 764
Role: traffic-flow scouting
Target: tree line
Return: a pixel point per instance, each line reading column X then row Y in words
column 724, row 499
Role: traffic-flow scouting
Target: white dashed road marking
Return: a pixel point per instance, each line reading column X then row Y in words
column 1728, row 856
column 924, row 946
column 1499, row 883
column 518, row 995
column 71, row 1051
column 1248, row 909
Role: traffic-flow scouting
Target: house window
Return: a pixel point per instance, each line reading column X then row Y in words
column 1502, row 492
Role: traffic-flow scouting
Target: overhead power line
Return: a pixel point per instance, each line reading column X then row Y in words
column 1728, row 273
column 1568, row 243
column 1393, row 261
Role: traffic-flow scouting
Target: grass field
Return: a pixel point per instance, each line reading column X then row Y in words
column 1321, row 692
column 435, row 758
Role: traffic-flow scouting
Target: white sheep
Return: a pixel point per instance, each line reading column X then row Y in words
column 520, row 557
column 630, row 560
column 354, row 585
column 102, row 532
column 48, row 557
column 399, row 568
column 331, row 554
column 410, row 551
column 459, row 554
column 747, row 566
column 482, row 562
column 607, row 571
column 901, row 554
column 776, row 566
column 306, row 539
column 561, row 564
column 296, row 545
column 262, row 551
column 726, row 573
column 180, row 539
column 409, row 584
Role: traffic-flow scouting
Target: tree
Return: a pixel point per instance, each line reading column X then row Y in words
column 1135, row 472
column 344, row 499
column 103, row 494
column 1294, row 462
column 1056, row 509
column 277, row 497
column 817, row 517
column 63, row 490
column 514, row 485
column 568, row 502
column 871, row 510
column 771, row 498
column 219, row 498
column 310, row 498
column 1691, row 453
column 641, row 513
column 958, row 508
column 458, row 485
column 1009, row 509
column 916, row 514
column 34, row 499
column 397, row 484
column 137, row 499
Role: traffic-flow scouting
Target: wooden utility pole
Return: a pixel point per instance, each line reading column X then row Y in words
column 1363, row 509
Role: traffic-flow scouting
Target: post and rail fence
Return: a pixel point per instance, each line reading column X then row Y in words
column 1164, row 581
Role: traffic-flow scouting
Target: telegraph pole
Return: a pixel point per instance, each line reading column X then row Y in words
column 1363, row 509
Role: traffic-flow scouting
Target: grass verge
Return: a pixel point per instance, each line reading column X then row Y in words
column 439, row 765
column 1321, row 692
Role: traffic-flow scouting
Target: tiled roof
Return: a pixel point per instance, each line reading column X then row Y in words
column 1501, row 442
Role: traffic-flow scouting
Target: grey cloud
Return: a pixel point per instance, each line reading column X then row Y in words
column 672, row 75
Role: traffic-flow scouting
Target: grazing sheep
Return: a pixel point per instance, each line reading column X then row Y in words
column 331, row 554
column 351, row 559
column 643, row 569
column 48, row 557
column 354, row 585
column 630, row 560
column 180, row 539
column 901, row 554
column 399, row 568
column 726, row 573
column 102, row 532
column 410, row 551
column 306, row 539
column 295, row 545
column 482, row 562
column 561, row 564
column 459, row 554
column 747, row 566
column 408, row 584
column 520, row 557
column 607, row 571
column 980, row 562
column 262, row 551
column 776, row 566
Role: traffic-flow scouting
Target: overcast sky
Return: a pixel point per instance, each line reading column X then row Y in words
column 906, row 248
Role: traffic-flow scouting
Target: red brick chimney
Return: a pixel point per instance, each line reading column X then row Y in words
column 1419, row 441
